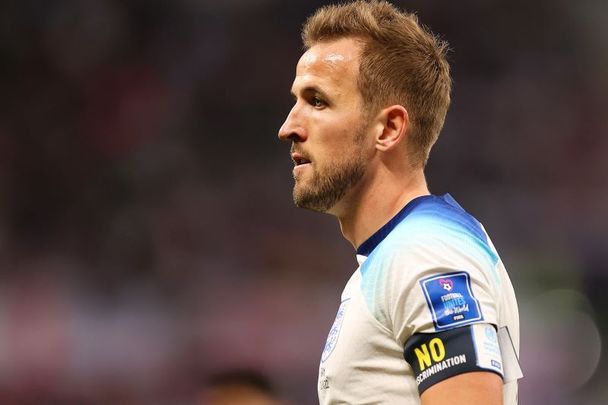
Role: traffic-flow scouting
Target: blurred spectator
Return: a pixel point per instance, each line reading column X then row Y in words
column 243, row 387
column 145, row 201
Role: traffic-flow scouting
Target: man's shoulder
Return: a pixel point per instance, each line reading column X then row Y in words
column 435, row 219
column 436, row 231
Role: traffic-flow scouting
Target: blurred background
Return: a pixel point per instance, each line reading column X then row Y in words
column 147, row 235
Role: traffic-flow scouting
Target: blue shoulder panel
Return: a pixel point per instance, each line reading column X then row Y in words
column 427, row 219
column 442, row 210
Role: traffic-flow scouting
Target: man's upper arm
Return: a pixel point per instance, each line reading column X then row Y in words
column 442, row 304
column 446, row 320
column 474, row 388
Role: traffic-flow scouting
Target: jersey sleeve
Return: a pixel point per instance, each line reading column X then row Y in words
column 436, row 285
column 442, row 307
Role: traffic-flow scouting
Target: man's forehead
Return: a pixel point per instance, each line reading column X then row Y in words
column 336, row 59
column 341, row 56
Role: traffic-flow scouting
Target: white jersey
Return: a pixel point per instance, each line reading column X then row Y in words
column 431, row 269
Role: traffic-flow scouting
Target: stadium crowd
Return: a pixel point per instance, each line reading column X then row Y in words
column 147, row 235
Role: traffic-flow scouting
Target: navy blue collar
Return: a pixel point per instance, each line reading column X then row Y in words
column 370, row 244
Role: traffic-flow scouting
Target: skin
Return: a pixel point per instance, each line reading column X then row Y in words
column 325, row 102
column 326, row 126
column 477, row 388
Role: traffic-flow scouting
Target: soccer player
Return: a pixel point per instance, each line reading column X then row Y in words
column 430, row 315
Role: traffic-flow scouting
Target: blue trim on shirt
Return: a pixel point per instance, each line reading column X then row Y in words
column 370, row 244
column 440, row 206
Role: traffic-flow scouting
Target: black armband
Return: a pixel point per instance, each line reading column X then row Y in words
column 435, row 357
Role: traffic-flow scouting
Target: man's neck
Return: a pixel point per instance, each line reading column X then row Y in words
column 377, row 202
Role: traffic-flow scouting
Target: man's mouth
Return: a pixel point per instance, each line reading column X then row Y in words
column 299, row 160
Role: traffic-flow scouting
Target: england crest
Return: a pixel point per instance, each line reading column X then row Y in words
column 334, row 332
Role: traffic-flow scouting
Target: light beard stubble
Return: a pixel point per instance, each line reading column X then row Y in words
column 327, row 188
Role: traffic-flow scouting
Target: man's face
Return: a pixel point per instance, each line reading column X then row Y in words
column 326, row 125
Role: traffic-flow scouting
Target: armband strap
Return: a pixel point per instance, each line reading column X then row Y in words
column 435, row 357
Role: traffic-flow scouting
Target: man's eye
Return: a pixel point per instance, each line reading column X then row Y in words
column 317, row 102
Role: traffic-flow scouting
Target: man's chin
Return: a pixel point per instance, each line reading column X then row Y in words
column 308, row 201
column 313, row 202
column 305, row 204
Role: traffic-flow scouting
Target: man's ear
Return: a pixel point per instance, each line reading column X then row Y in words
column 395, row 123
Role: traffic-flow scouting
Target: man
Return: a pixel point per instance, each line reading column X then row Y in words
column 426, row 317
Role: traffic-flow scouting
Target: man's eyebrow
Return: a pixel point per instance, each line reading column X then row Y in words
column 309, row 90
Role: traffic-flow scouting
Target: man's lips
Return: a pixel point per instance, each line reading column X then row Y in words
column 299, row 159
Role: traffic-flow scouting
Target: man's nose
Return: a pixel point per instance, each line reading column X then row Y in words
column 292, row 129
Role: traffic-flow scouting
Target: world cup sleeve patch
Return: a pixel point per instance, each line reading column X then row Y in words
column 450, row 299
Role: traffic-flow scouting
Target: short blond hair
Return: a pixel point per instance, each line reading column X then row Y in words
column 402, row 63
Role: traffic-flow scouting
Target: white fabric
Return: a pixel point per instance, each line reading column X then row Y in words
column 383, row 304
